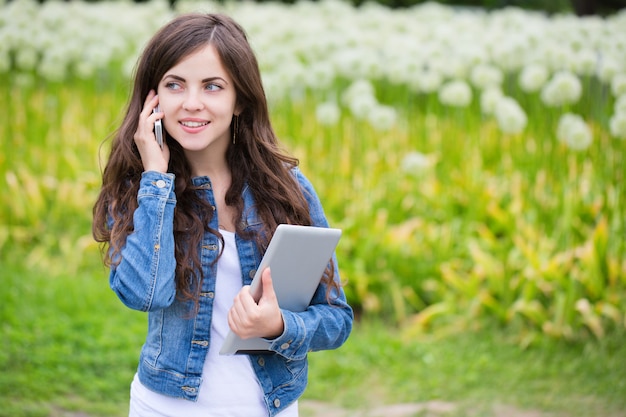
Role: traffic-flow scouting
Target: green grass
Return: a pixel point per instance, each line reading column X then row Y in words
column 68, row 345
column 474, row 370
column 66, row 342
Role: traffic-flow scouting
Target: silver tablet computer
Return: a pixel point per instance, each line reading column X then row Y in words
column 297, row 256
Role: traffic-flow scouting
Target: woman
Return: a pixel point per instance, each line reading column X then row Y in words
column 187, row 224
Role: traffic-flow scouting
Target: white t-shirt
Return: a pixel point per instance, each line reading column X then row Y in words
column 229, row 385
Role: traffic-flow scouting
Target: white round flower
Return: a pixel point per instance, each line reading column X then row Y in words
column 510, row 116
column 362, row 106
column 416, row 163
column 586, row 62
column 454, row 67
column 455, row 93
column 617, row 125
column 533, row 77
column 328, row 113
column 26, row 59
column 618, row 85
column 426, row 81
column 485, row 75
column 609, row 66
column 620, row 104
column 359, row 88
column 564, row 88
column 398, row 69
column 382, row 117
column 509, row 52
column 489, row 100
column 320, row 76
column 574, row 132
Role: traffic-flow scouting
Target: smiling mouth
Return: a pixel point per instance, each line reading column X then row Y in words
column 194, row 124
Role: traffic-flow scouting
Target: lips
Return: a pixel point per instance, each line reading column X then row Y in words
column 193, row 124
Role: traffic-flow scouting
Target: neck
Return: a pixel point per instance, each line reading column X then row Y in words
column 212, row 165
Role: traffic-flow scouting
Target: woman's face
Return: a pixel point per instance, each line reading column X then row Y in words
column 198, row 99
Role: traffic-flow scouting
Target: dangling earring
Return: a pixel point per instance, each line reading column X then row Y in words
column 235, row 129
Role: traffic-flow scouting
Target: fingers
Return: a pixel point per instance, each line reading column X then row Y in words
column 147, row 117
column 150, row 102
column 250, row 319
column 243, row 314
column 268, row 295
column 152, row 156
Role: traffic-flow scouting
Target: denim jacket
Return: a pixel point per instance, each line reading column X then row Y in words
column 177, row 342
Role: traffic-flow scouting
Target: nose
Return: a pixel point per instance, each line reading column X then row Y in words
column 192, row 101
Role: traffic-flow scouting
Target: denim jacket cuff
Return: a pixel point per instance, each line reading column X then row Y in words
column 157, row 184
column 289, row 344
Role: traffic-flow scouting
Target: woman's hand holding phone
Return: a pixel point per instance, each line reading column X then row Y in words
column 153, row 156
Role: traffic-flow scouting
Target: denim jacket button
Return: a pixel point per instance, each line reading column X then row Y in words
column 284, row 346
column 160, row 184
column 261, row 362
column 251, row 273
column 276, row 403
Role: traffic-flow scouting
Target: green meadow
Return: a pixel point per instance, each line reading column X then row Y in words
column 486, row 264
column 437, row 264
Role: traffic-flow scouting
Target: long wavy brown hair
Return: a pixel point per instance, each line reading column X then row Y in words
column 256, row 158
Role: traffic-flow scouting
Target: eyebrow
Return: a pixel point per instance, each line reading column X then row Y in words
column 205, row 80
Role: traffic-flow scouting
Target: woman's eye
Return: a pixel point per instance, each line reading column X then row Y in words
column 213, row 87
column 172, row 86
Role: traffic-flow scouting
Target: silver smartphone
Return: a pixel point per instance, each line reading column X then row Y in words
column 158, row 127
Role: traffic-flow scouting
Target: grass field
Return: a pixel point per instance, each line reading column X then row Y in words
column 69, row 346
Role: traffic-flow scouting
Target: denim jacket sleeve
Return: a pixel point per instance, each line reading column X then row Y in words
column 322, row 325
column 144, row 277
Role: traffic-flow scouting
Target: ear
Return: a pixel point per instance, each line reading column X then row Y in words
column 238, row 110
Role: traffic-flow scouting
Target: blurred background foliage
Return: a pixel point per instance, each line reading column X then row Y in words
column 469, row 193
column 580, row 7
column 475, row 161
